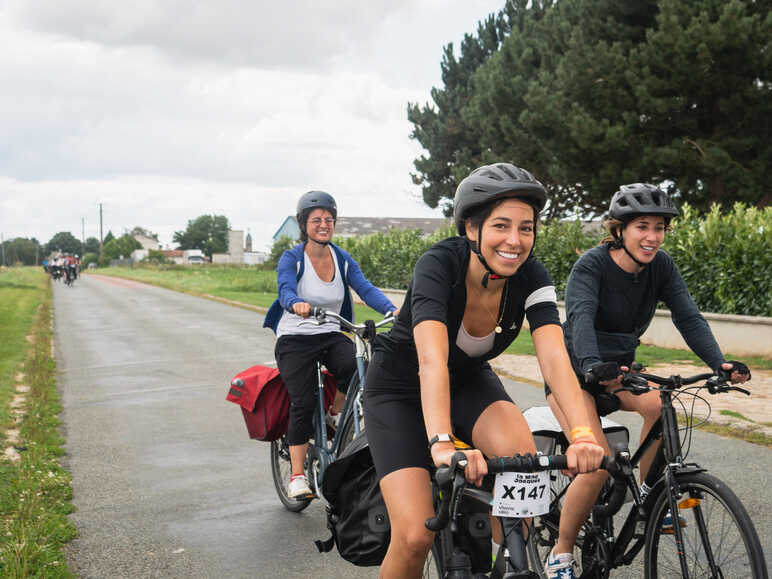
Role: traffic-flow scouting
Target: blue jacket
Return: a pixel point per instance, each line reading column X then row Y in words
column 290, row 270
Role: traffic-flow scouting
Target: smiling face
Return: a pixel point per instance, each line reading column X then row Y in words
column 644, row 235
column 320, row 225
column 507, row 236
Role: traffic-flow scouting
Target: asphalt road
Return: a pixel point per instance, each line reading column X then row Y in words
column 166, row 482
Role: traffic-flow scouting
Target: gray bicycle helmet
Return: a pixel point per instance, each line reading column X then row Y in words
column 315, row 200
column 640, row 199
column 491, row 182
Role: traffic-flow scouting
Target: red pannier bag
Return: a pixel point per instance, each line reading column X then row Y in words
column 264, row 400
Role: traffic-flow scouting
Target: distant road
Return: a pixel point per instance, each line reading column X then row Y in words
column 166, row 482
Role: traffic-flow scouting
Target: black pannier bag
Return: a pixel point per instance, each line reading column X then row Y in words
column 356, row 515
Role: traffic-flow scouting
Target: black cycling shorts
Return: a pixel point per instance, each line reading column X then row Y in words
column 393, row 418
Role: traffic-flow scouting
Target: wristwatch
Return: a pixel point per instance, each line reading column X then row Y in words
column 443, row 437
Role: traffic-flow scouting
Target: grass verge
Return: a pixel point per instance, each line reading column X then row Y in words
column 35, row 492
column 732, row 431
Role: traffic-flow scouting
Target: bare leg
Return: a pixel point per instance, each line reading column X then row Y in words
column 337, row 403
column 649, row 407
column 298, row 457
column 583, row 491
column 408, row 497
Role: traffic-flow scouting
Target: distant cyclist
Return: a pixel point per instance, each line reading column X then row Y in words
column 315, row 272
column 612, row 292
column 429, row 379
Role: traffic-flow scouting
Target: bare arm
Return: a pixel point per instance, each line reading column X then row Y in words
column 558, row 373
column 431, row 340
column 555, row 366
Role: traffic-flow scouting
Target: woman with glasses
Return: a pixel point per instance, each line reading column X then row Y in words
column 315, row 273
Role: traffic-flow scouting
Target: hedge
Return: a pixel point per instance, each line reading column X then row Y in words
column 725, row 258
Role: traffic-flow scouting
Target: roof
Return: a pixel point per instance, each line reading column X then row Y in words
column 351, row 226
column 171, row 252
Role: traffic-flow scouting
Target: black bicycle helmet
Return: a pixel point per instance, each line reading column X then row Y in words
column 491, row 182
column 639, row 199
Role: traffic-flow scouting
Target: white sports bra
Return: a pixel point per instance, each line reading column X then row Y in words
column 473, row 346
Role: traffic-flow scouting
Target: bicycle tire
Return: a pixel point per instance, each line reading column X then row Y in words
column 738, row 555
column 281, row 470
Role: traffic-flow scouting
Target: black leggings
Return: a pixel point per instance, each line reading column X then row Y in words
column 296, row 358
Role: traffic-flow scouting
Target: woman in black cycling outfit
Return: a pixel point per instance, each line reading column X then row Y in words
column 611, row 295
column 429, row 378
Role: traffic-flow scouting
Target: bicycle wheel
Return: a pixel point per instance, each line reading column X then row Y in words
column 714, row 516
column 281, row 469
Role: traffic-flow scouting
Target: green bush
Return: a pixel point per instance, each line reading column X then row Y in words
column 725, row 259
column 558, row 245
column 388, row 259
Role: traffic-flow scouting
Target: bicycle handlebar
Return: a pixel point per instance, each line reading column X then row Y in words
column 453, row 474
column 715, row 382
column 319, row 315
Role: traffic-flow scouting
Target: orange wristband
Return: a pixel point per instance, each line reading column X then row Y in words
column 581, row 432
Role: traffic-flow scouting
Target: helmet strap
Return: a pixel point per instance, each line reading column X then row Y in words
column 641, row 265
column 489, row 273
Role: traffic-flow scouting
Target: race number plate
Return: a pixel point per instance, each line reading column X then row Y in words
column 520, row 494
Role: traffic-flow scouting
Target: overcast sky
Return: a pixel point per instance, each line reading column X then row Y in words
column 164, row 110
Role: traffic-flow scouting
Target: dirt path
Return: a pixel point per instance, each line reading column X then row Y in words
column 757, row 407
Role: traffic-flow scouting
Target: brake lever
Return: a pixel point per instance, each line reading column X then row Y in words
column 717, row 386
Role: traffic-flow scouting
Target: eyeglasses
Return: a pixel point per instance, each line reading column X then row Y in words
column 318, row 221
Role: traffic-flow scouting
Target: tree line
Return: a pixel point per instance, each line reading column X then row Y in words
column 591, row 94
column 208, row 233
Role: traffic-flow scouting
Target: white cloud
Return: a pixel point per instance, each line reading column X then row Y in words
column 163, row 111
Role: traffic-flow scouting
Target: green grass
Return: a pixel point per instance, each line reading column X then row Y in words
column 35, row 492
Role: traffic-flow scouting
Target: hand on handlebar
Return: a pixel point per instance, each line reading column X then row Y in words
column 740, row 373
column 302, row 309
column 475, row 468
column 583, row 456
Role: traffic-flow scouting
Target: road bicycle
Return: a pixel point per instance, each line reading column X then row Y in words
column 327, row 444
column 462, row 547
column 713, row 536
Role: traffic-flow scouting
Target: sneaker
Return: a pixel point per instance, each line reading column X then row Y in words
column 667, row 523
column 332, row 420
column 561, row 566
column 298, row 488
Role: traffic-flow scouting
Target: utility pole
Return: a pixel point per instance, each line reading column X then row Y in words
column 2, row 245
column 82, row 236
column 101, row 252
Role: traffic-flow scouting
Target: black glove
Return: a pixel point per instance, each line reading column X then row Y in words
column 739, row 367
column 602, row 372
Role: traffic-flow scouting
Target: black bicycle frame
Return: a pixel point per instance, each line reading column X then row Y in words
column 667, row 463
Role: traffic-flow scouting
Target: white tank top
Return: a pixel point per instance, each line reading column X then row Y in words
column 473, row 346
column 313, row 290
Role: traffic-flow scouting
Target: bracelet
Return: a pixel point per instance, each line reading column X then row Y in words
column 581, row 431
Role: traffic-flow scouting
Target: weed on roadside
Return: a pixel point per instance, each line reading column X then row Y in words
column 35, row 490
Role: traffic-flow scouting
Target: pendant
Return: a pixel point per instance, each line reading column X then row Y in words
column 497, row 329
